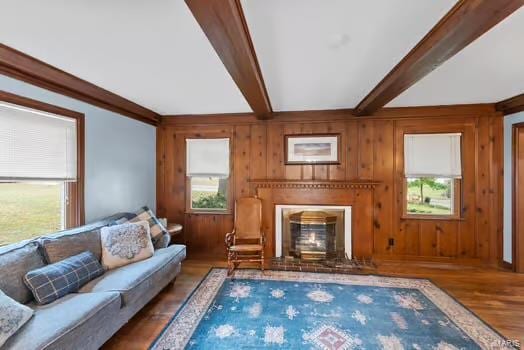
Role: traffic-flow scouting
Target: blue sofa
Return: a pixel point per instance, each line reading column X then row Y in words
column 87, row 319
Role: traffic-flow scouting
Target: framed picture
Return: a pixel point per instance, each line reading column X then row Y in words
column 312, row 149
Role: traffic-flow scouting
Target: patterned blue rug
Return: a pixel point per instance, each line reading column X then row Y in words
column 294, row 310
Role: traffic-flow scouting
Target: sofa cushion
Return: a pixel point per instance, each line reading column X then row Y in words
column 15, row 261
column 53, row 281
column 144, row 213
column 13, row 315
column 125, row 244
column 133, row 280
column 60, row 324
column 60, row 248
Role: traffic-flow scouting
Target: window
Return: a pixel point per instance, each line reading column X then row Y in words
column 40, row 168
column 433, row 170
column 207, row 171
column 432, row 196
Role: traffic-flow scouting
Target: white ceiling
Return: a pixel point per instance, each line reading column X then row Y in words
column 489, row 70
column 314, row 54
column 325, row 54
column 151, row 52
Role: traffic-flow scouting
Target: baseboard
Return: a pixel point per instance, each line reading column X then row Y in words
column 429, row 259
column 506, row 265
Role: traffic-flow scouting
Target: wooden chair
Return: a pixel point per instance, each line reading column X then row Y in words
column 246, row 242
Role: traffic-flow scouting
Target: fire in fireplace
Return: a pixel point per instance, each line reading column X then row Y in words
column 313, row 235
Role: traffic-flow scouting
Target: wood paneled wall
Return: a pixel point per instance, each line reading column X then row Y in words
column 372, row 149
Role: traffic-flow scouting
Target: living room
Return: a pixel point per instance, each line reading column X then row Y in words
column 251, row 174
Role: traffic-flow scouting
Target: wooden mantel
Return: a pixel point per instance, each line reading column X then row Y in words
column 355, row 193
column 282, row 183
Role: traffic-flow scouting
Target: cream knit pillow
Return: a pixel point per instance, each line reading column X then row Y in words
column 13, row 316
column 125, row 244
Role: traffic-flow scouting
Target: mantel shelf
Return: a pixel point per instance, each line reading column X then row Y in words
column 308, row 184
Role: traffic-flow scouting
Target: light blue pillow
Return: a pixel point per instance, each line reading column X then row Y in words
column 13, row 316
column 53, row 281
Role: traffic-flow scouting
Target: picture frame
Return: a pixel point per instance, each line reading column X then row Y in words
column 301, row 149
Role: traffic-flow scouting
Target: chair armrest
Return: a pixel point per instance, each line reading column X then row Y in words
column 230, row 239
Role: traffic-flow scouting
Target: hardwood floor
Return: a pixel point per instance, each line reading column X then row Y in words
column 495, row 296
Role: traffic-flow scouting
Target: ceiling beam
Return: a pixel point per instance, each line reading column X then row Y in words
column 23, row 67
column 225, row 26
column 464, row 23
column 511, row 105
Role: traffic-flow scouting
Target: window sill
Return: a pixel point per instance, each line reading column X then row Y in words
column 431, row 217
column 208, row 212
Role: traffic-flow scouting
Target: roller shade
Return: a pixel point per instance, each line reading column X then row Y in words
column 35, row 145
column 432, row 155
column 207, row 157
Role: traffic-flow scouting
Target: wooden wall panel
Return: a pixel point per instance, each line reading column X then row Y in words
column 258, row 154
column 242, row 160
column 351, row 150
column 468, row 231
column 383, row 194
column 365, row 149
column 496, row 188
column 372, row 149
column 482, row 191
column 275, row 151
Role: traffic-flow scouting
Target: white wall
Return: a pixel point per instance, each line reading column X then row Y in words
column 508, row 190
column 120, row 154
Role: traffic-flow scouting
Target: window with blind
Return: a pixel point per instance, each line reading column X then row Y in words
column 433, row 172
column 207, row 173
column 39, row 169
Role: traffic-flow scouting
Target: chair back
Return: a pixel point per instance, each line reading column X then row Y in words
column 248, row 218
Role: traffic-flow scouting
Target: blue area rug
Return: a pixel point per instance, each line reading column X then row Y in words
column 293, row 310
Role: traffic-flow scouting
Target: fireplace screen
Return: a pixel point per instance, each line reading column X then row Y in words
column 313, row 234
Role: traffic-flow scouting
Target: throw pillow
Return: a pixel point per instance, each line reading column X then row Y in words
column 59, row 248
column 14, row 264
column 13, row 316
column 53, row 281
column 125, row 244
column 146, row 214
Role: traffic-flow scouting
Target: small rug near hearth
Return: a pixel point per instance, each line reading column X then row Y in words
column 297, row 310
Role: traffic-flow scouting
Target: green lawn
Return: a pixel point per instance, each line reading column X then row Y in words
column 439, row 204
column 28, row 210
column 427, row 209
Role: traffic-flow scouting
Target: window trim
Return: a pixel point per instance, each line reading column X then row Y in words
column 457, row 207
column 230, row 190
column 74, row 191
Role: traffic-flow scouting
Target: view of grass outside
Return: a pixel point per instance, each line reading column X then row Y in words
column 430, row 196
column 208, row 193
column 28, row 210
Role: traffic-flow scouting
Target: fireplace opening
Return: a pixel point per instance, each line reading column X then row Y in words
column 313, row 234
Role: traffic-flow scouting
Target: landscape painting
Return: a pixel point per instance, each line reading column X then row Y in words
column 312, row 149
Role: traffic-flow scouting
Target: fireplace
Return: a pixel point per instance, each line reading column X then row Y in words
column 313, row 233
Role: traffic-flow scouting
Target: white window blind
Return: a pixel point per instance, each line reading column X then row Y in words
column 207, row 157
column 35, row 145
column 431, row 155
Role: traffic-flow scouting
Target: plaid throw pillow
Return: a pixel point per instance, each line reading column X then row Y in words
column 145, row 214
column 53, row 281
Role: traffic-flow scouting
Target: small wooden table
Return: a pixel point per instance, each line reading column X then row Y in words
column 174, row 229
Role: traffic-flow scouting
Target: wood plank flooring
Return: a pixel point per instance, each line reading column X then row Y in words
column 495, row 296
